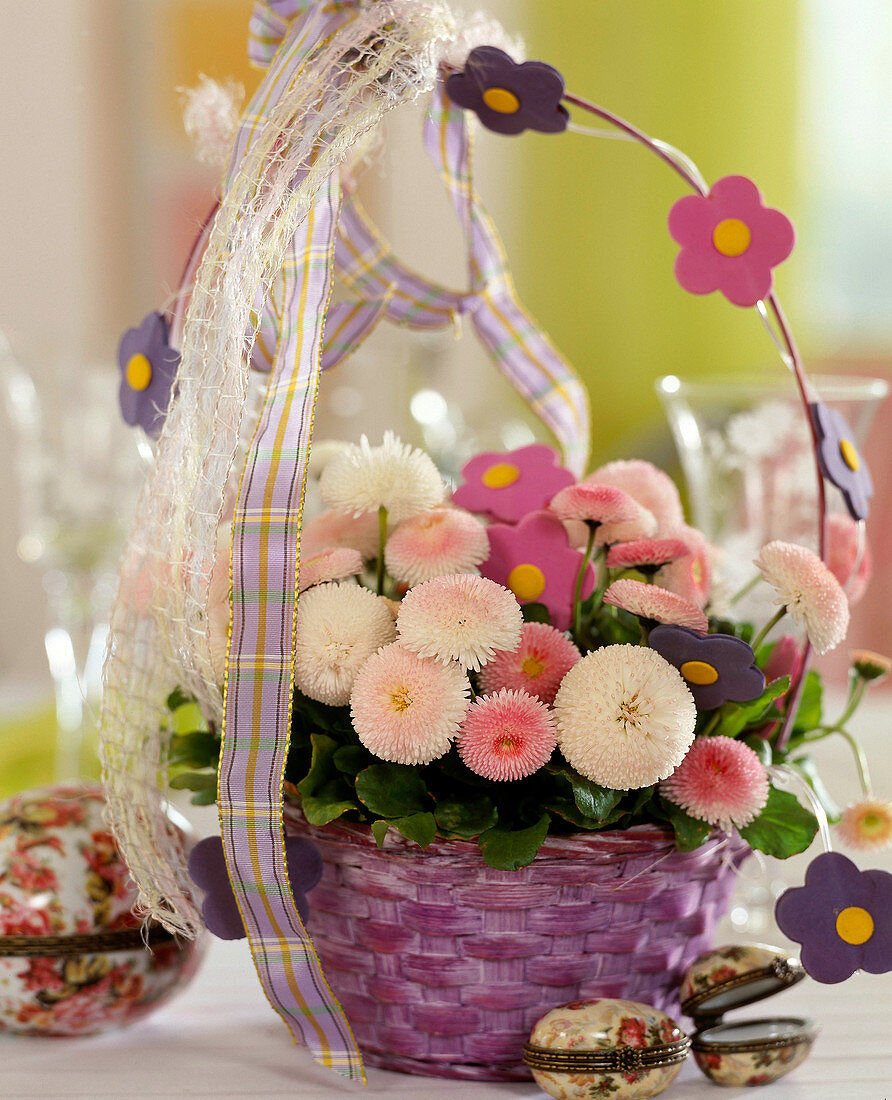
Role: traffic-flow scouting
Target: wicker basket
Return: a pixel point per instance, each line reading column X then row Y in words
column 443, row 964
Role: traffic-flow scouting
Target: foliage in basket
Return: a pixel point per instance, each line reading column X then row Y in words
column 606, row 566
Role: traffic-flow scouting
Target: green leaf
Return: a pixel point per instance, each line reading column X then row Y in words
column 420, row 828
column 198, row 749
column 689, row 832
column 392, row 790
column 466, row 819
column 194, row 781
column 321, row 765
column 535, row 613
column 783, row 828
column 811, row 705
column 761, row 746
column 178, row 698
column 322, row 808
column 379, row 831
column 204, row 798
column 593, row 801
column 351, row 759
column 509, row 850
column 736, row 717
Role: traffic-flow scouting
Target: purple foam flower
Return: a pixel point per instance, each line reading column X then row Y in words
column 716, row 667
column 508, row 486
column 207, row 867
column 841, row 462
column 535, row 560
column 730, row 241
column 841, row 916
column 509, row 97
column 148, row 368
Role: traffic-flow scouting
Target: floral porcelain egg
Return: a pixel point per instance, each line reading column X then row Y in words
column 72, row 954
column 612, row 1048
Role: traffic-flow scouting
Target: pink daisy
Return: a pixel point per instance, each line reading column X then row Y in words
column 650, row 486
column 689, row 576
column 842, row 556
column 648, row 601
column 507, row 736
column 333, row 564
column 720, row 781
column 617, row 517
column 459, row 618
column 646, row 555
column 406, row 708
column 336, row 528
column 536, row 666
column 808, row 590
column 866, row 824
column 434, row 543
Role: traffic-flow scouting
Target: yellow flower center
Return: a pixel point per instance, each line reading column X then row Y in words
column 699, row 672
column 854, row 925
column 501, row 100
column 500, row 476
column 507, row 744
column 871, row 824
column 401, row 699
column 532, row 667
column 731, row 237
column 139, row 372
column 527, row 582
column 849, row 455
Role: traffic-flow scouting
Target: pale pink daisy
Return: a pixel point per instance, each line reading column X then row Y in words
column 434, row 543
column 646, row 555
column 648, row 601
column 536, row 666
column 650, row 486
column 843, row 538
column 406, row 708
column 866, row 824
column 615, row 516
column 689, row 576
column 459, row 618
column 339, row 626
column 333, row 564
column 720, row 781
column 506, row 736
column 625, row 717
column 808, row 590
column 335, row 528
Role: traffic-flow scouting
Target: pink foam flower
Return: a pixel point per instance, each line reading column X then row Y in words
column 808, row 590
column 730, row 241
column 536, row 666
column 434, row 543
column 614, row 515
column 720, row 781
column 650, row 486
column 650, row 602
column 646, row 555
column 333, row 564
column 535, row 561
column 689, row 576
column 866, row 824
column 508, row 486
column 336, row 528
column 459, row 618
column 507, row 736
column 406, row 708
column 842, row 556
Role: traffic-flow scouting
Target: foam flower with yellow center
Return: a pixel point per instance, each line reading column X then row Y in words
column 148, row 366
column 866, row 824
column 625, row 717
column 393, row 476
column 407, row 709
column 506, row 486
column 536, row 666
column 808, row 590
column 339, row 626
column 459, row 618
column 435, row 543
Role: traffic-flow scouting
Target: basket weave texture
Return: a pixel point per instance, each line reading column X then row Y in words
column 443, row 964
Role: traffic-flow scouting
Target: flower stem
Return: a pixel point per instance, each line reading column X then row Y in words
column 767, row 628
column 577, row 594
column 711, row 724
column 382, row 540
column 748, row 587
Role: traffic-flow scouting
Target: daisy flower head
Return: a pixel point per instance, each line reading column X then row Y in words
column 625, row 717
column 650, row 486
column 720, row 781
column 333, row 564
column 333, row 528
column 808, row 590
column 405, row 708
column 536, row 666
column 435, row 543
column 614, row 514
column 847, row 548
column 339, row 626
column 646, row 555
column 362, row 478
column 506, row 736
column 459, row 618
column 866, row 824
column 655, row 604
column 690, row 575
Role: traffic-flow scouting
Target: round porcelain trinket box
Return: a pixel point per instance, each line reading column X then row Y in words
column 745, row 1052
column 73, row 956
column 623, row 1049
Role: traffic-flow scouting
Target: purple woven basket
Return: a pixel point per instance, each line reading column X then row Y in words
column 443, row 964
